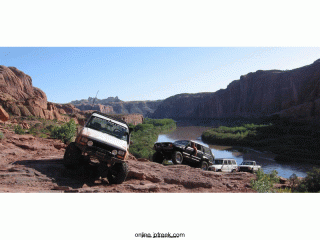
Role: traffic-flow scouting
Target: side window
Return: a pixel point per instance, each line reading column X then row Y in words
column 229, row 162
column 207, row 150
column 199, row 147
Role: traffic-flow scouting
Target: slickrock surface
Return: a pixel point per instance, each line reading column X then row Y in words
column 30, row 164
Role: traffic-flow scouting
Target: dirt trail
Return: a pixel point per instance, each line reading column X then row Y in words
column 30, row 164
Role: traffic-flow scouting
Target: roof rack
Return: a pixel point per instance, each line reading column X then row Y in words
column 112, row 117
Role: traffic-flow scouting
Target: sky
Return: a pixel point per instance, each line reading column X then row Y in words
column 145, row 73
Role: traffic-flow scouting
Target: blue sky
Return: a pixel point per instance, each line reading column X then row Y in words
column 145, row 73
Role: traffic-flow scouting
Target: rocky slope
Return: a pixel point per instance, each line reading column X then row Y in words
column 294, row 94
column 31, row 164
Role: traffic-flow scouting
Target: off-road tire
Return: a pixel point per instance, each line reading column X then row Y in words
column 73, row 158
column 157, row 157
column 118, row 173
column 177, row 158
column 203, row 165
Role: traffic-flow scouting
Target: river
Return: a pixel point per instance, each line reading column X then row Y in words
column 266, row 160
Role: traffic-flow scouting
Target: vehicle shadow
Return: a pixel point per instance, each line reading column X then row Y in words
column 55, row 170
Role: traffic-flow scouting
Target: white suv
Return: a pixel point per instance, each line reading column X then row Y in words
column 103, row 141
column 224, row 165
column 249, row 166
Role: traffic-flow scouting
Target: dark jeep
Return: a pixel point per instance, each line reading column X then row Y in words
column 181, row 152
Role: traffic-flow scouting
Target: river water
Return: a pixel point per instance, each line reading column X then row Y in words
column 266, row 160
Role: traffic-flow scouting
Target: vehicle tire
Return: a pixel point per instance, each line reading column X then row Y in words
column 118, row 173
column 157, row 157
column 177, row 158
column 233, row 170
column 72, row 158
column 203, row 165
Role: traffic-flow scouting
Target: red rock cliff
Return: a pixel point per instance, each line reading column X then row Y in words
column 294, row 93
column 20, row 98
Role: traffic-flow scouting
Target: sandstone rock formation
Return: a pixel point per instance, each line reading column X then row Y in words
column 4, row 116
column 180, row 106
column 293, row 93
column 19, row 97
column 131, row 118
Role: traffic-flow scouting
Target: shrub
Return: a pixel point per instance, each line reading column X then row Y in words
column 264, row 182
column 1, row 135
column 18, row 129
column 65, row 132
column 311, row 183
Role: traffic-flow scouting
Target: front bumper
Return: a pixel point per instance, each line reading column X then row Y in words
column 102, row 155
column 245, row 169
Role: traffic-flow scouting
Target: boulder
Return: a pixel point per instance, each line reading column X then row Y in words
column 4, row 116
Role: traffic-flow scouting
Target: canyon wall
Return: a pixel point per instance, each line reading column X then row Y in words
column 292, row 93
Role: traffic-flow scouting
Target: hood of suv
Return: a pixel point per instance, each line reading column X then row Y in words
column 105, row 138
column 245, row 165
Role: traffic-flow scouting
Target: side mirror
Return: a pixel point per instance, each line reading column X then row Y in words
column 130, row 129
column 131, row 142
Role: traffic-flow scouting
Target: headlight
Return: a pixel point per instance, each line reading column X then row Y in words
column 121, row 153
column 114, row 152
column 90, row 143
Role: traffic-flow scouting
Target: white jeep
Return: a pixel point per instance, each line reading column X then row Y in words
column 103, row 141
column 224, row 165
column 249, row 166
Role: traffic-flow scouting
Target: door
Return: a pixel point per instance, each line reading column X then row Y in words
column 225, row 166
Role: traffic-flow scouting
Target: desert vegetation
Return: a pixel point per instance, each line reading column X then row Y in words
column 144, row 135
column 264, row 183
column 65, row 132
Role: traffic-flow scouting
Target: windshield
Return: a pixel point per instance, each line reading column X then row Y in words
column 109, row 127
column 247, row 163
column 218, row 161
column 182, row 142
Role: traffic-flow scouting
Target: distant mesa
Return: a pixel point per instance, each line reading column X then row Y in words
column 116, row 106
